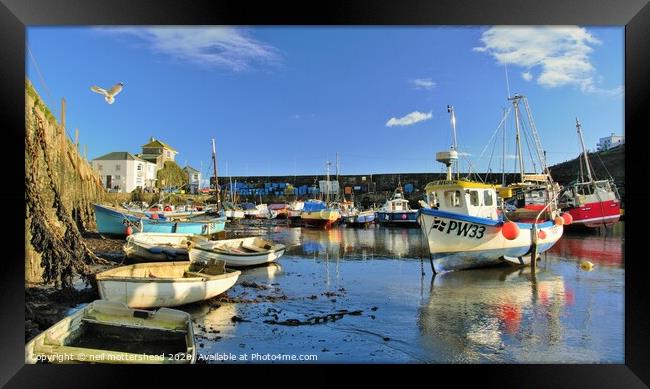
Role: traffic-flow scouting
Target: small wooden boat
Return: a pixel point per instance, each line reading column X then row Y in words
column 109, row 332
column 156, row 246
column 165, row 284
column 250, row 251
column 113, row 221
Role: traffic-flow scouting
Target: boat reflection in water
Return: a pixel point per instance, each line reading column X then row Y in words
column 605, row 249
column 360, row 244
column 475, row 316
column 267, row 272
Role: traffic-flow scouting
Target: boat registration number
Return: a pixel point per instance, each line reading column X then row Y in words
column 469, row 230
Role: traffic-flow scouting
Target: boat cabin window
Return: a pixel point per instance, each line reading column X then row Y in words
column 452, row 198
column 473, row 197
column 487, row 198
column 433, row 200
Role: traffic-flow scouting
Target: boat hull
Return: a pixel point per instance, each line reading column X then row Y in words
column 168, row 331
column 113, row 222
column 148, row 246
column 142, row 291
column 204, row 253
column 596, row 214
column 320, row 219
column 360, row 220
column 398, row 218
column 458, row 242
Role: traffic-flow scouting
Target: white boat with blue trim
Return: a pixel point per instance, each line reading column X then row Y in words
column 467, row 231
column 465, row 228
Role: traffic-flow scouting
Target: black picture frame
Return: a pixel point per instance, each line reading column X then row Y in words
column 15, row 15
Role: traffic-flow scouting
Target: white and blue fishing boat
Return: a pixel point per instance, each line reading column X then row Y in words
column 359, row 218
column 113, row 221
column 397, row 211
column 465, row 228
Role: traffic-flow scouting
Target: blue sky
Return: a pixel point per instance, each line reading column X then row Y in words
column 284, row 100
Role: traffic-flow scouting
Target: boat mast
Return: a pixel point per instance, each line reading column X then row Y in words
column 327, row 193
column 520, row 156
column 451, row 156
column 216, row 175
column 584, row 151
column 450, row 109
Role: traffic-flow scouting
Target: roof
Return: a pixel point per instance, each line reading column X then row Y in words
column 118, row 156
column 156, row 143
column 191, row 168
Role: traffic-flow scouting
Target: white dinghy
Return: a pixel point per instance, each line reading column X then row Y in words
column 250, row 251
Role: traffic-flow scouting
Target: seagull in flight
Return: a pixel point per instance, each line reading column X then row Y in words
column 109, row 95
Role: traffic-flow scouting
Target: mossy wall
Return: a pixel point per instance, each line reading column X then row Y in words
column 61, row 187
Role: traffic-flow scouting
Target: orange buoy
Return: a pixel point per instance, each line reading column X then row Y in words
column 129, row 230
column 168, row 208
column 154, row 216
column 567, row 218
column 559, row 220
column 510, row 230
column 541, row 234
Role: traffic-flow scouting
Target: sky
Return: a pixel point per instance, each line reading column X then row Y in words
column 285, row 100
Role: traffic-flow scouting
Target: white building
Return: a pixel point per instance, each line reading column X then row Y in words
column 195, row 179
column 610, row 142
column 121, row 171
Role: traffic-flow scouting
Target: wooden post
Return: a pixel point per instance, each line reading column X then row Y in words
column 533, row 249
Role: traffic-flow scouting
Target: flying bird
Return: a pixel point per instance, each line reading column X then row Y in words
column 109, row 95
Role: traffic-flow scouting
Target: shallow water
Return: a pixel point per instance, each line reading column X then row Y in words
column 562, row 314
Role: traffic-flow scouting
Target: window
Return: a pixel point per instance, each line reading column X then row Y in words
column 117, row 177
column 100, row 167
column 196, row 176
column 452, row 198
column 473, row 197
column 487, row 198
column 117, row 167
column 139, row 167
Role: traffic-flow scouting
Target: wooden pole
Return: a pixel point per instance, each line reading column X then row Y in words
column 533, row 250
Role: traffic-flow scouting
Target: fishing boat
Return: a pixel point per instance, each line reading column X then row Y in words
column 154, row 246
column 396, row 211
column 316, row 213
column 110, row 332
column 250, row 251
column 592, row 203
column 165, row 284
column 465, row 228
column 358, row 218
column 113, row 221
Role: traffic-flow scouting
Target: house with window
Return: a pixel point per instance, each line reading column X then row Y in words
column 195, row 179
column 610, row 142
column 123, row 172
column 157, row 151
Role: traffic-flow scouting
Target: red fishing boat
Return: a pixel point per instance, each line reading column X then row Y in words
column 592, row 203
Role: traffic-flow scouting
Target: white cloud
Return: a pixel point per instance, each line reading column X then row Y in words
column 423, row 83
column 527, row 76
column 220, row 47
column 409, row 119
column 463, row 154
column 561, row 54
